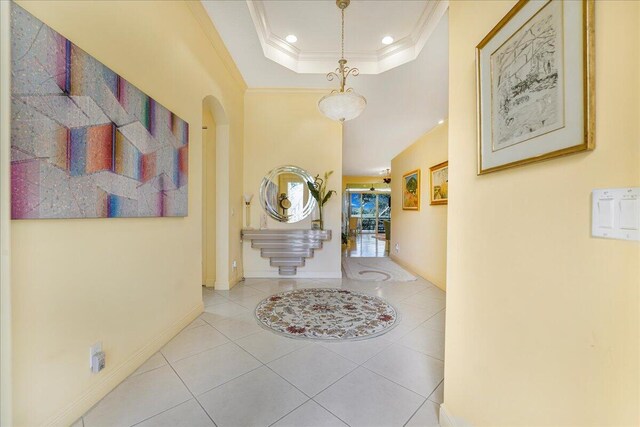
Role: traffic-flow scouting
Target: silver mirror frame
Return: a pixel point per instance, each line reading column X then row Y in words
column 271, row 210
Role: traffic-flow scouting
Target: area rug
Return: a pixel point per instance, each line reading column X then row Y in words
column 375, row 269
column 326, row 314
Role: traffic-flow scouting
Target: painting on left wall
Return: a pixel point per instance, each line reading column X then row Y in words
column 86, row 143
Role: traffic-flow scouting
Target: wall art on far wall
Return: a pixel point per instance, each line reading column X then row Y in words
column 86, row 143
column 411, row 190
column 439, row 187
column 535, row 84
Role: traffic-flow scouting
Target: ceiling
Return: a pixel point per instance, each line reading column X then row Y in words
column 405, row 83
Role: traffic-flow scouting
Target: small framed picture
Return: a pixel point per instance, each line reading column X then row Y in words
column 535, row 83
column 440, row 184
column 411, row 191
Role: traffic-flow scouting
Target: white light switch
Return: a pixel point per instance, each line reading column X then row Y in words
column 616, row 213
column 605, row 213
column 629, row 214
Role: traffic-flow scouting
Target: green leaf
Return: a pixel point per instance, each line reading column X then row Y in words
column 313, row 191
column 327, row 197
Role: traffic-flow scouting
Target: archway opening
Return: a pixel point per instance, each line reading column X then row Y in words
column 215, row 194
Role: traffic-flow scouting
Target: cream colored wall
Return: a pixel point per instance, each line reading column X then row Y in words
column 284, row 127
column 130, row 283
column 5, row 219
column 542, row 319
column 421, row 235
column 350, row 179
column 208, row 198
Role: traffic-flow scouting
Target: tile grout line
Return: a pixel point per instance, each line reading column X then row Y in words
column 326, row 409
column 288, row 413
column 190, row 392
column 397, row 383
column 280, row 376
column 199, row 352
column 228, row 381
column 175, row 406
column 415, row 412
column 434, row 390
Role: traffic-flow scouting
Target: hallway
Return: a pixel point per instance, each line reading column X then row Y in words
column 225, row 369
column 366, row 245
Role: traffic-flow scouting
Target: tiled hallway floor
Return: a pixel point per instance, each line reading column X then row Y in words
column 227, row 370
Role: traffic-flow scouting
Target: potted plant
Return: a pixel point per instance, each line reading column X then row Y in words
column 318, row 189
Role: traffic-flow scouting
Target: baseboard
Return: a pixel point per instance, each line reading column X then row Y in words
column 273, row 274
column 409, row 268
column 225, row 286
column 448, row 420
column 86, row 401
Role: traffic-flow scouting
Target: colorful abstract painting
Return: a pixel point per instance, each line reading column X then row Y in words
column 86, row 143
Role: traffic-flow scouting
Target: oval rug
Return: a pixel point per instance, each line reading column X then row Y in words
column 326, row 314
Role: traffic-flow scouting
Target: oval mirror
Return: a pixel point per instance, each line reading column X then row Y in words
column 285, row 196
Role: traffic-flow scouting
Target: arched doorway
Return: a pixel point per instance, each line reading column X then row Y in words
column 215, row 197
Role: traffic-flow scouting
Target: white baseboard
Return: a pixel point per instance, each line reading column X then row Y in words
column 83, row 403
column 273, row 274
column 448, row 420
column 225, row 286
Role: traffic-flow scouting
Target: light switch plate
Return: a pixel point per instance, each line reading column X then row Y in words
column 616, row 213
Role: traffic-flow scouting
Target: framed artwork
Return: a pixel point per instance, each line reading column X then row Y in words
column 85, row 142
column 411, row 191
column 440, row 184
column 535, row 84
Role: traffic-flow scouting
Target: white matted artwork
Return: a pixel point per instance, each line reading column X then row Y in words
column 535, row 84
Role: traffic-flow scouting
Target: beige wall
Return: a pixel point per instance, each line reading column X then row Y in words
column 421, row 235
column 130, row 283
column 350, row 179
column 208, row 198
column 284, row 127
column 5, row 219
column 542, row 319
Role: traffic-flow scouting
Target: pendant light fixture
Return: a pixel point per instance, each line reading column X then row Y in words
column 345, row 103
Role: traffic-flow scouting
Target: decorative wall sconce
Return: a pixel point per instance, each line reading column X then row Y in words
column 247, row 204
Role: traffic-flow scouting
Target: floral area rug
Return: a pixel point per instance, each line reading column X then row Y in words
column 326, row 314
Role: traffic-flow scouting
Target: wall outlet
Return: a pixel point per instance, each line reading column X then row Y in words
column 234, row 264
column 97, row 359
column 397, row 248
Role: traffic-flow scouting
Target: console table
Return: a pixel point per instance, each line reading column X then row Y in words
column 287, row 249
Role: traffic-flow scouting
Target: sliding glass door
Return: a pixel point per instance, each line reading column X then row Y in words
column 368, row 210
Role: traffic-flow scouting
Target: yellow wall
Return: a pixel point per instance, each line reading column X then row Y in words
column 130, row 283
column 421, row 235
column 349, row 179
column 208, row 198
column 542, row 319
column 284, row 127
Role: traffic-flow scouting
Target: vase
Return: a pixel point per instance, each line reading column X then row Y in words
column 316, row 219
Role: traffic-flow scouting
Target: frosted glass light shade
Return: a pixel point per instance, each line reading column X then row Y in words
column 342, row 105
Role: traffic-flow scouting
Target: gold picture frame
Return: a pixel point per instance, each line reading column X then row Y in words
column 411, row 191
column 575, row 130
column 439, row 184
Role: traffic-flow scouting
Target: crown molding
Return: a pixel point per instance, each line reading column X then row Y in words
column 373, row 62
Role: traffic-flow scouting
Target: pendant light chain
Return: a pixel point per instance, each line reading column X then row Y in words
column 342, row 103
column 342, row 33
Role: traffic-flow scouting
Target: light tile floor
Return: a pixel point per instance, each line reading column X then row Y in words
column 367, row 245
column 225, row 370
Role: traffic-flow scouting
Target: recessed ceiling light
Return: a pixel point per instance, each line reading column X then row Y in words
column 387, row 40
column 441, row 121
column 291, row 38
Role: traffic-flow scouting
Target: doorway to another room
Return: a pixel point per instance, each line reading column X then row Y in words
column 368, row 221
